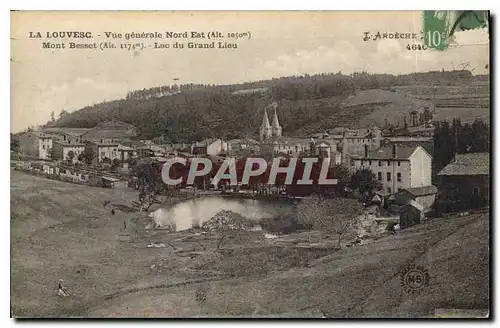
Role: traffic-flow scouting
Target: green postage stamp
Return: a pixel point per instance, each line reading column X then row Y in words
column 440, row 26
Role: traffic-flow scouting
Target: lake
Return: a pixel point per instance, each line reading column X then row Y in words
column 199, row 210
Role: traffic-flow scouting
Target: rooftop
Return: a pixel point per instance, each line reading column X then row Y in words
column 125, row 148
column 65, row 144
column 422, row 191
column 243, row 141
column 108, row 134
column 204, row 142
column 468, row 164
column 384, row 153
column 288, row 140
column 68, row 131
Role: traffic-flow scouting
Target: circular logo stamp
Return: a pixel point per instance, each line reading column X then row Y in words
column 414, row 278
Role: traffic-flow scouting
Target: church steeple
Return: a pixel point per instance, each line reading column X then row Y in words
column 265, row 128
column 276, row 128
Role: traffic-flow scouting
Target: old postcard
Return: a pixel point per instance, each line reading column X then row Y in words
column 320, row 164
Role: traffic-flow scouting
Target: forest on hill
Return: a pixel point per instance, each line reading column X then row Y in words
column 185, row 113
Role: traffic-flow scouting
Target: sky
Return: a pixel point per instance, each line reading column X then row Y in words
column 281, row 44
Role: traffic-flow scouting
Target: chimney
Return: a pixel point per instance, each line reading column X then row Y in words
column 366, row 151
column 394, row 151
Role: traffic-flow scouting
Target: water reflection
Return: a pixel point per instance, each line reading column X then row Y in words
column 184, row 214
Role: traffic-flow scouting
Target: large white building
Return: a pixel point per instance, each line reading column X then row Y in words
column 397, row 167
column 212, row 147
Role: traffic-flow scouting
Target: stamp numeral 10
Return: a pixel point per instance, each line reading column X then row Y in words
column 435, row 39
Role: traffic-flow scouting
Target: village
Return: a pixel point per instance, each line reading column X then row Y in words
column 109, row 154
column 201, row 238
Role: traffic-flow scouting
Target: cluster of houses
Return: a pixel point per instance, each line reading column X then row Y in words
column 402, row 164
column 107, row 140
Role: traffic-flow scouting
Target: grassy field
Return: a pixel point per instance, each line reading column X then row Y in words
column 62, row 231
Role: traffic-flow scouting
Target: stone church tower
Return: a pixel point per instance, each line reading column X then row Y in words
column 276, row 128
column 265, row 128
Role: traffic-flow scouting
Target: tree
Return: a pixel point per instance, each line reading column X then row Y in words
column 332, row 215
column 70, row 156
column 365, row 182
column 308, row 212
column 51, row 154
column 115, row 164
column 343, row 176
column 226, row 223
column 455, row 138
column 88, row 155
column 339, row 215
column 63, row 114
column 14, row 143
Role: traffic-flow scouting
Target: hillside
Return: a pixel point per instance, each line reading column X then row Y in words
column 62, row 231
column 307, row 105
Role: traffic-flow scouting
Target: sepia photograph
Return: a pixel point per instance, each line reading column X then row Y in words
column 250, row 164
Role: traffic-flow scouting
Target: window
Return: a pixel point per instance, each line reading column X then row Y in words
column 379, row 163
column 103, row 154
column 399, row 163
column 399, row 177
column 379, row 176
column 388, row 163
column 388, row 176
column 43, row 146
column 370, row 163
column 389, row 190
column 476, row 191
column 362, row 163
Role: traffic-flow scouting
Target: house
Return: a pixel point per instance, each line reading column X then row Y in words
column 36, row 144
column 325, row 149
column 294, row 147
column 210, row 146
column 410, row 214
column 398, row 168
column 425, row 196
column 66, row 135
column 465, row 183
column 354, row 143
column 103, row 152
column 243, row 146
column 150, row 150
column 406, row 141
column 66, row 151
column 125, row 153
